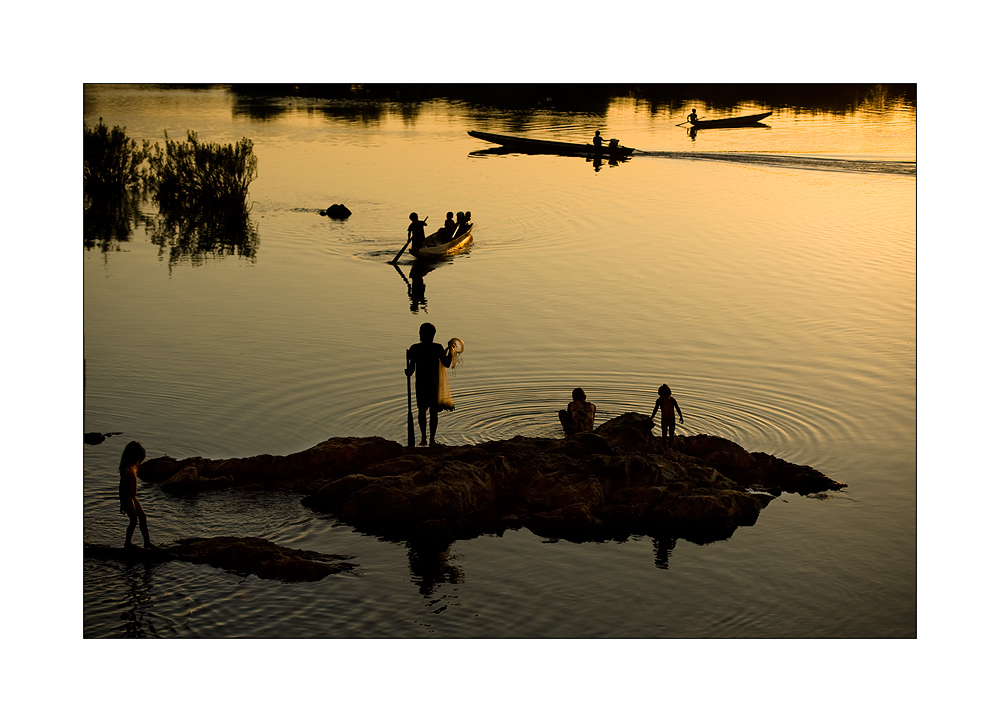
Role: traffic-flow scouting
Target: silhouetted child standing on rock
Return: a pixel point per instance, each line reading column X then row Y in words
column 128, row 468
column 666, row 404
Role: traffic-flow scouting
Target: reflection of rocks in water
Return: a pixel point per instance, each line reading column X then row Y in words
column 241, row 555
column 663, row 549
column 609, row 484
column 433, row 565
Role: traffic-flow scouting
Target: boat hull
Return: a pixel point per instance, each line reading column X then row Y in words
column 554, row 147
column 433, row 247
column 746, row 120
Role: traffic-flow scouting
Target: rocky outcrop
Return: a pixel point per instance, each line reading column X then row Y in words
column 96, row 437
column 336, row 211
column 241, row 555
column 303, row 472
column 615, row 482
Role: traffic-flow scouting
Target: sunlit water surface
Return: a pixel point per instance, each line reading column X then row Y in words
column 777, row 298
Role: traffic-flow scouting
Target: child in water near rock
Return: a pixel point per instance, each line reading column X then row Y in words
column 128, row 469
column 666, row 404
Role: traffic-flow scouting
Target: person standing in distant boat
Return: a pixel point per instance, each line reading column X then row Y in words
column 415, row 231
column 578, row 416
column 693, row 116
column 425, row 358
column 128, row 470
column 666, row 404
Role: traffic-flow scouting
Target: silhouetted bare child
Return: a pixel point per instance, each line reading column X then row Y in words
column 666, row 405
column 426, row 358
column 128, row 469
column 578, row 415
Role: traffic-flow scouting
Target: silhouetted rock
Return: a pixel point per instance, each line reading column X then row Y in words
column 303, row 472
column 241, row 555
column 612, row 483
column 336, row 211
column 95, row 437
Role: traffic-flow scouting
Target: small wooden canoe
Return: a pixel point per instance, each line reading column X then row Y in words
column 555, row 147
column 435, row 246
column 730, row 122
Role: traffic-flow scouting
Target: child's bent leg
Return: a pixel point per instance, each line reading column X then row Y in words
column 142, row 524
column 128, row 506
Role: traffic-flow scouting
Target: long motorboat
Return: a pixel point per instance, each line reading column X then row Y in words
column 438, row 245
column 532, row 145
column 730, row 122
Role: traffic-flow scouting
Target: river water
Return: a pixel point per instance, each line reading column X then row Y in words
column 768, row 275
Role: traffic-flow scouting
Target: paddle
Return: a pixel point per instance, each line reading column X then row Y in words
column 410, row 439
column 405, row 245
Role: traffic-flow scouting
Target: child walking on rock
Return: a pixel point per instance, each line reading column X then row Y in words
column 666, row 405
column 128, row 469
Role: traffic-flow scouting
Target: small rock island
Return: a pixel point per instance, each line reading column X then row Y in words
column 612, row 483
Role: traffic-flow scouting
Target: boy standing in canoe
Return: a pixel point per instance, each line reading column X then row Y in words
column 415, row 231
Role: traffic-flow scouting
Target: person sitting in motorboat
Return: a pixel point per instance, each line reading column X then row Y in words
column 598, row 140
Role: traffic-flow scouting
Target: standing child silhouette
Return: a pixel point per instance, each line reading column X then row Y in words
column 666, row 405
column 128, row 469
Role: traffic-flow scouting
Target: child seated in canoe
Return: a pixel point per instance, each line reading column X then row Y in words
column 448, row 229
column 578, row 416
column 464, row 222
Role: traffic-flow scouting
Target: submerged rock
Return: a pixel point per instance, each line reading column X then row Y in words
column 242, row 555
column 612, row 483
column 96, row 437
column 336, row 211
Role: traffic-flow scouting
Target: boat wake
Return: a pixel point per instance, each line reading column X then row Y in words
column 844, row 165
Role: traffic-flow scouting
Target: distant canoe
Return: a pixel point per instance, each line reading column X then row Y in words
column 532, row 145
column 730, row 122
column 435, row 246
